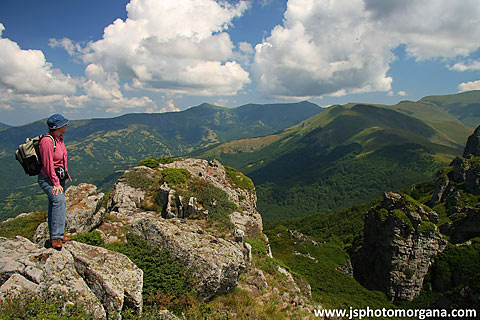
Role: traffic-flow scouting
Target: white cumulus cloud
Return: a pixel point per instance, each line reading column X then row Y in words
column 429, row 28
column 337, row 47
column 103, row 89
column 466, row 66
column 26, row 72
column 467, row 86
column 173, row 46
column 324, row 47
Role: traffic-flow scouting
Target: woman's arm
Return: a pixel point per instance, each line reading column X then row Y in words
column 46, row 153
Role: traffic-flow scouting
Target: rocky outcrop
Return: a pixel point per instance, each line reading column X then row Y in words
column 399, row 246
column 105, row 282
column 216, row 263
column 457, row 187
column 463, row 174
column 460, row 177
column 466, row 226
column 84, row 212
column 174, row 206
column 125, row 200
column 246, row 217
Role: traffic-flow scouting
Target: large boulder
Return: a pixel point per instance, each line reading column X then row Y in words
column 111, row 276
column 105, row 282
column 125, row 200
column 84, row 208
column 216, row 263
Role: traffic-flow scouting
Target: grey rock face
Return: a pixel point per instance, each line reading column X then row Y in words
column 125, row 199
column 400, row 243
column 101, row 280
column 111, row 276
column 216, row 263
column 84, row 208
column 454, row 186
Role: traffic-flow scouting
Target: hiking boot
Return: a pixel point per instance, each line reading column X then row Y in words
column 57, row 244
column 66, row 239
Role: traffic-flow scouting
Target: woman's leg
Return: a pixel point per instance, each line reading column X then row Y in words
column 56, row 208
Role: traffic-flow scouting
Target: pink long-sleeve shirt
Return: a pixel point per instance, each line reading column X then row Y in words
column 53, row 159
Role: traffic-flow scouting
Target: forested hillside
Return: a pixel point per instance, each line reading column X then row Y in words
column 330, row 250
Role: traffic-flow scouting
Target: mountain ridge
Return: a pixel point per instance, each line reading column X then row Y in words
column 4, row 126
column 327, row 156
column 100, row 148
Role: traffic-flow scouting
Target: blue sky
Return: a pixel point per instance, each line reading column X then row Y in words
column 89, row 59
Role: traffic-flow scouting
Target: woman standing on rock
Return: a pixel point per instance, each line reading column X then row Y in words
column 52, row 177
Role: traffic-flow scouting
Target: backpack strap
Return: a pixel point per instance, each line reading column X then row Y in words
column 53, row 139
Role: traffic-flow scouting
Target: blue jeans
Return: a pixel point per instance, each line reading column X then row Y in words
column 57, row 208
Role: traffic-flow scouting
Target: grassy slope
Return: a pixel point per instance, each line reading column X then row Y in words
column 463, row 106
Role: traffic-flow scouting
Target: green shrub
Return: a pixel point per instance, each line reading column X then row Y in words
column 409, row 273
column 106, row 198
column 93, row 238
column 216, row 201
column 259, row 246
column 174, row 176
column 458, row 216
column 41, row 306
column 23, row 226
column 239, row 179
column 411, row 201
column 427, row 227
column 153, row 162
column 399, row 214
column 383, row 214
column 166, row 281
column 140, row 180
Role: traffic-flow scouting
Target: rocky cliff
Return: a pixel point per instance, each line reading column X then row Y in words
column 457, row 188
column 400, row 242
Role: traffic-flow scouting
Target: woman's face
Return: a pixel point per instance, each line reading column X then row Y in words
column 61, row 130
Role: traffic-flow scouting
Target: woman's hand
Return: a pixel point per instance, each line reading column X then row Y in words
column 56, row 190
